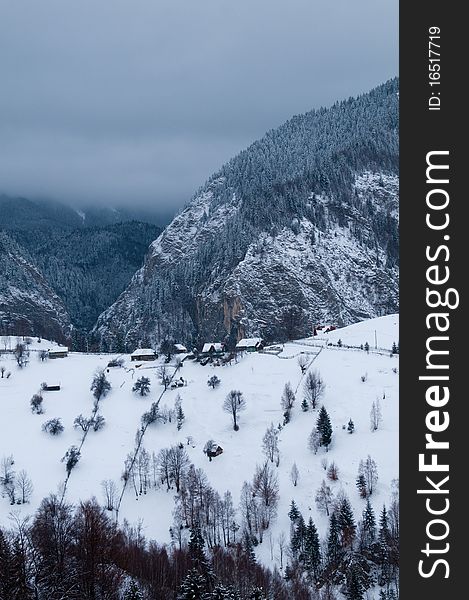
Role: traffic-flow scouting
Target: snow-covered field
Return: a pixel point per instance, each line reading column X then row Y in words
column 261, row 378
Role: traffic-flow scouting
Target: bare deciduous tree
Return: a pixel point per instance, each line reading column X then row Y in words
column 324, row 498
column 234, row 403
column 110, row 493
column 314, row 387
column 270, row 443
column 163, row 376
column 294, row 475
column 369, row 469
column 375, row 415
column 288, row 397
column 24, row 486
column 314, row 441
column 303, row 362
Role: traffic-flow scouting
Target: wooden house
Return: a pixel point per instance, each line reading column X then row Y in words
column 213, row 349
column 143, row 354
column 250, row 345
column 180, row 349
column 58, row 352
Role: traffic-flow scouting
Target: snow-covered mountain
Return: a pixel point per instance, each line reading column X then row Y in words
column 300, row 228
column 28, row 305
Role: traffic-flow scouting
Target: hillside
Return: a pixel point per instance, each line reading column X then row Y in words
column 88, row 267
column 299, row 228
column 28, row 304
column 354, row 379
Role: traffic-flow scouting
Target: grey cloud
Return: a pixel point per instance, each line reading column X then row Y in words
column 141, row 100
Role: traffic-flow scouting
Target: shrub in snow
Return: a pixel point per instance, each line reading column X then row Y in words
column 98, row 422
column 351, row 426
column 71, row 458
column 82, row 423
column 213, row 382
column 53, row 426
column 36, row 404
column 333, row 472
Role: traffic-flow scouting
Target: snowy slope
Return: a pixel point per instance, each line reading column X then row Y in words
column 261, row 378
column 27, row 302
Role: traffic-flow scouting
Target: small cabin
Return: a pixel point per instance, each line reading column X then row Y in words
column 213, row 451
column 250, row 345
column 213, row 349
column 180, row 349
column 47, row 387
column 142, row 354
column 59, row 352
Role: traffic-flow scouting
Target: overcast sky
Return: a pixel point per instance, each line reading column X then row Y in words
column 140, row 101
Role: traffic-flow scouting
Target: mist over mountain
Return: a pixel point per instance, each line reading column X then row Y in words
column 24, row 213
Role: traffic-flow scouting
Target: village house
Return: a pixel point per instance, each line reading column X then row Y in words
column 59, row 352
column 142, row 354
column 180, row 349
column 213, row 349
column 250, row 345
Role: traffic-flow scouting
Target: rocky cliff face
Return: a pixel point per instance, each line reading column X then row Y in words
column 28, row 306
column 300, row 228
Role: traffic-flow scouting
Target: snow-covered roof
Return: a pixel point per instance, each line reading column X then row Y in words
column 143, row 352
column 180, row 347
column 217, row 346
column 57, row 350
column 248, row 342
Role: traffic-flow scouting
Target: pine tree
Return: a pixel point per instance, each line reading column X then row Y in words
column 354, row 585
column 312, row 551
column 294, row 513
column 334, row 552
column 361, row 485
column 196, row 548
column 133, row 591
column 298, row 539
column 193, row 586
column 351, row 426
column 142, row 386
column 248, row 547
column 324, row 427
column 369, row 524
column 384, row 550
column 304, row 405
column 346, row 522
column 180, row 416
column 257, row 593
